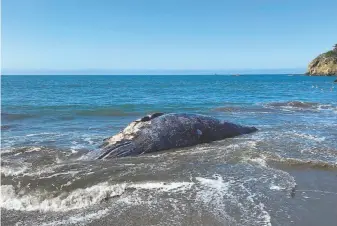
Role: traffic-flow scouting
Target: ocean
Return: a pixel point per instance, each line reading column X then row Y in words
column 283, row 174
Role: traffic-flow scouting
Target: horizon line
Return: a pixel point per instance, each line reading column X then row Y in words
column 46, row 72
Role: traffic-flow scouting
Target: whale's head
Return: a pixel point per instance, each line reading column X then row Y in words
column 122, row 144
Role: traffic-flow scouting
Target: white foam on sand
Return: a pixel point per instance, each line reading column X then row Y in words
column 216, row 183
column 14, row 170
column 163, row 186
column 276, row 187
column 78, row 218
column 259, row 160
column 5, row 150
column 221, row 195
column 225, row 195
column 33, row 149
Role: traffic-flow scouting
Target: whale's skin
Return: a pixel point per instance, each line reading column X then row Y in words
column 161, row 131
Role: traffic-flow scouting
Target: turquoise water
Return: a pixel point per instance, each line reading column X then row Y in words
column 281, row 175
column 98, row 106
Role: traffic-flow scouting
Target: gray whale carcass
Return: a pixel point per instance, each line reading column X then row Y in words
column 161, row 131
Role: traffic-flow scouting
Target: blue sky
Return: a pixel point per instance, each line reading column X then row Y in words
column 50, row 36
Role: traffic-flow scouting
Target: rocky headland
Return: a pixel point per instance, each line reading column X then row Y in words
column 325, row 64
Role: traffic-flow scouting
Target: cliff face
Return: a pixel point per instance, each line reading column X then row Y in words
column 324, row 64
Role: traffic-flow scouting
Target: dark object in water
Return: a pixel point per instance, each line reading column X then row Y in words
column 161, row 131
column 335, row 80
column 5, row 127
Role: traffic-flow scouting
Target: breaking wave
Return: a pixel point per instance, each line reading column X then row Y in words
column 300, row 105
column 246, row 109
column 79, row 198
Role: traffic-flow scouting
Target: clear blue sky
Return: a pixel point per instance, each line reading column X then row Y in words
column 79, row 35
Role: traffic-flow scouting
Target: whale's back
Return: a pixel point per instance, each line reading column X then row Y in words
column 160, row 131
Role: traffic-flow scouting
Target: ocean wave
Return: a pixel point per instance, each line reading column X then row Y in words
column 247, row 109
column 234, row 190
column 306, row 163
column 39, row 134
column 162, row 186
column 295, row 104
column 26, row 169
column 74, row 107
column 105, row 112
column 312, row 157
column 218, row 194
column 76, row 199
column 69, row 112
column 79, row 198
column 14, row 170
column 228, row 109
column 38, row 161
column 315, row 159
column 14, row 151
column 300, row 105
column 15, row 116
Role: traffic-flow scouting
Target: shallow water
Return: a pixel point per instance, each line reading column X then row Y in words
column 284, row 174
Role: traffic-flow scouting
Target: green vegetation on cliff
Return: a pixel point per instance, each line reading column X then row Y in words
column 324, row 64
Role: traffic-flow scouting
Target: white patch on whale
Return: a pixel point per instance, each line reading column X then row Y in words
column 129, row 133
